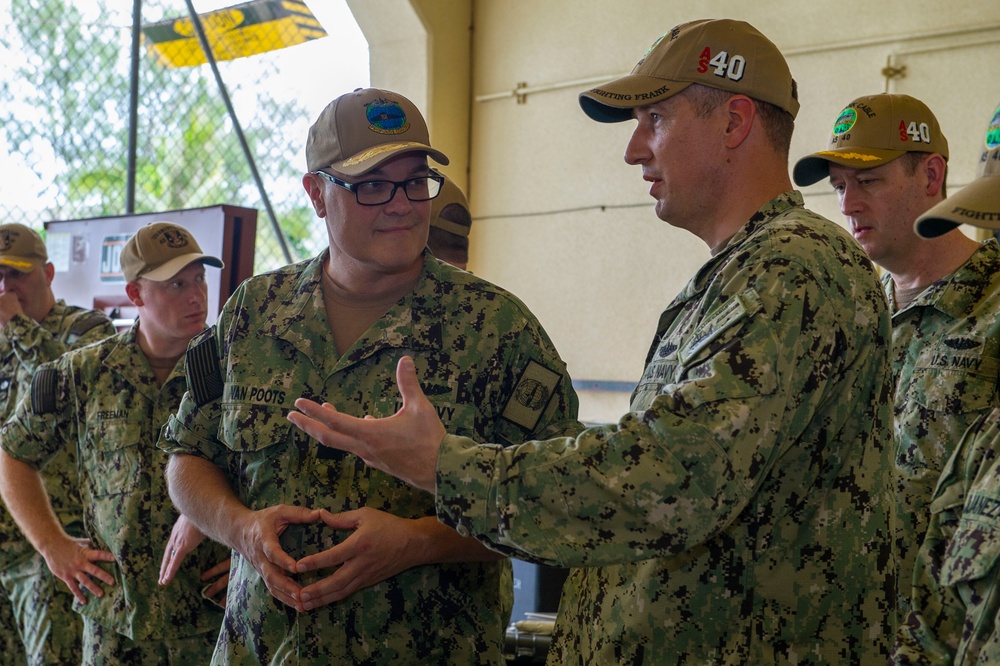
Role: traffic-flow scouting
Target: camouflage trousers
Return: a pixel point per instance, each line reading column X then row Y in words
column 106, row 647
column 10, row 637
column 47, row 630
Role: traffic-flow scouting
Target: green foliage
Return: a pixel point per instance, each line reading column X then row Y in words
column 64, row 108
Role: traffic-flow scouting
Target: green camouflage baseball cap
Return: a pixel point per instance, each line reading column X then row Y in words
column 160, row 250
column 978, row 203
column 21, row 248
column 874, row 130
column 718, row 53
column 360, row 130
column 450, row 209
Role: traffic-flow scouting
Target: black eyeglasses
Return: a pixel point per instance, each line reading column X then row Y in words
column 378, row 192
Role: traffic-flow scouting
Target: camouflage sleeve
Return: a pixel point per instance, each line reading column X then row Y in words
column 955, row 598
column 193, row 428
column 34, row 344
column 536, row 393
column 676, row 472
column 43, row 421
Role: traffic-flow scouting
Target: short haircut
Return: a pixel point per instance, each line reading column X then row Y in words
column 912, row 159
column 778, row 124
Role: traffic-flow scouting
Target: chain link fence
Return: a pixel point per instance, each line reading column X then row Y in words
column 81, row 142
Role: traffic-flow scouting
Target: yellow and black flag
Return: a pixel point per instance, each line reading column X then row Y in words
column 235, row 32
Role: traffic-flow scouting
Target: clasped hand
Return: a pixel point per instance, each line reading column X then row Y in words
column 380, row 546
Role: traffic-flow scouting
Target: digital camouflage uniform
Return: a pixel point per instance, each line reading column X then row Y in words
column 946, row 346
column 741, row 512
column 483, row 361
column 104, row 401
column 34, row 601
column 956, row 584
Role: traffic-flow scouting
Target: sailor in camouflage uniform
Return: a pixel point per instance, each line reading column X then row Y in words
column 887, row 160
column 108, row 401
column 378, row 579
column 740, row 513
column 955, row 605
column 35, row 327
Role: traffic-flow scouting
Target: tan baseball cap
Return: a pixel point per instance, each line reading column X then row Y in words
column 360, row 130
column 874, row 130
column 450, row 209
column 160, row 250
column 978, row 203
column 718, row 53
column 21, row 247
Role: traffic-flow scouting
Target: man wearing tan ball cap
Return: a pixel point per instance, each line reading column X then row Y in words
column 739, row 513
column 887, row 162
column 144, row 577
column 161, row 251
column 37, row 622
column 874, row 130
column 956, row 582
column 340, row 563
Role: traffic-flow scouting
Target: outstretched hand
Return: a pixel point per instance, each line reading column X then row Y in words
column 405, row 444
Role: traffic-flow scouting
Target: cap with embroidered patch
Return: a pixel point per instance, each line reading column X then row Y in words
column 450, row 209
column 718, row 53
column 978, row 203
column 360, row 130
column 21, row 248
column 874, row 130
column 160, row 250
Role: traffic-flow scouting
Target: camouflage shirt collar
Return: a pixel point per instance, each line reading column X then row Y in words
column 127, row 359
column 958, row 293
column 777, row 206
column 413, row 323
column 773, row 209
column 416, row 321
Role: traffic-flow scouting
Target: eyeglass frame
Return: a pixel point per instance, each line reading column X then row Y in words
column 432, row 174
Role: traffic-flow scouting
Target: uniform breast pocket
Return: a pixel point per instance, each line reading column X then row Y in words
column 113, row 458
column 260, row 434
column 250, row 428
column 973, row 552
column 953, row 391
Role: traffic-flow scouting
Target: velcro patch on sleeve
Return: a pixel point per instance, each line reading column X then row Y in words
column 531, row 396
column 741, row 306
column 43, row 391
column 204, row 374
column 87, row 322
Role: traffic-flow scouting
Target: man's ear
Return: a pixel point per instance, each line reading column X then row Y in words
column 936, row 170
column 312, row 186
column 741, row 113
column 134, row 293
